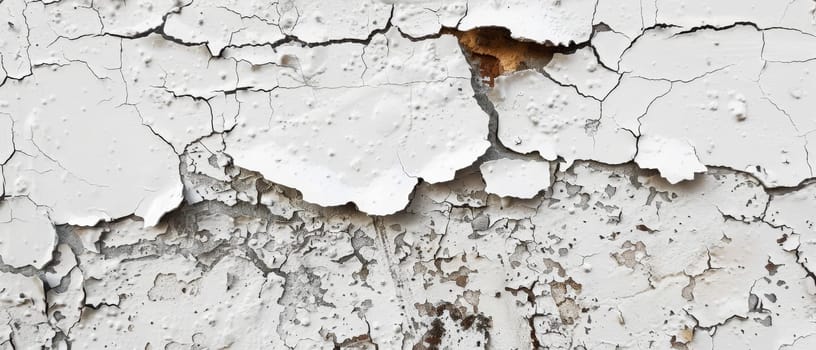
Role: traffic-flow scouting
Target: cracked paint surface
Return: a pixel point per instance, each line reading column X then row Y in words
column 407, row 174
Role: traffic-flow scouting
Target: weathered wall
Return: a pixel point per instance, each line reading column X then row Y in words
column 407, row 174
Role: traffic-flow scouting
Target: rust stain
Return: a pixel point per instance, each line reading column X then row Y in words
column 496, row 52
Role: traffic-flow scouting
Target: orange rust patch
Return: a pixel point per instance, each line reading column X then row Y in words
column 497, row 53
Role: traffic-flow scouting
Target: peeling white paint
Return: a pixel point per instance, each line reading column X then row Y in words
column 582, row 70
column 419, row 18
column 515, row 177
column 715, row 102
column 77, row 155
column 320, row 21
column 26, row 234
column 675, row 159
column 368, row 141
column 14, row 61
column 538, row 114
column 65, row 263
column 23, row 303
column 133, row 17
column 407, row 174
column 543, row 21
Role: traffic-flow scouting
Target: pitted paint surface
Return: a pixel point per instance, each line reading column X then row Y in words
column 407, row 174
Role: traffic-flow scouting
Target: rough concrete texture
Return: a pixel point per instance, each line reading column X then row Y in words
column 407, row 174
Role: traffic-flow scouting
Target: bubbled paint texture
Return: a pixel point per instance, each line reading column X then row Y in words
column 407, row 174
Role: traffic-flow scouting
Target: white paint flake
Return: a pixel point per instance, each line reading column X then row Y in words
column 14, row 61
column 582, row 70
column 366, row 140
column 538, row 114
column 221, row 23
column 23, row 323
column 556, row 22
column 796, row 14
column 26, row 235
column 65, row 262
column 715, row 102
column 77, row 154
column 134, row 17
column 515, row 177
column 419, row 18
column 675, row 159
column 320, row 21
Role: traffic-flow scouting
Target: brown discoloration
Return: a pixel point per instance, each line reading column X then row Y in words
column 568, row 308
column 361, row 341
column 631, row 253
column 432, row 338
column 497, row 52
column 681, row 340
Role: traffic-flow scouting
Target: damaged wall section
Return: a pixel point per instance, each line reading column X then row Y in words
column 426, row 174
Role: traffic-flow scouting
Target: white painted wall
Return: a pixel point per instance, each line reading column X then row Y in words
column 211, row 174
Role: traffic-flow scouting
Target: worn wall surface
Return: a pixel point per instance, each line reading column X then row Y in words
column 407, row 174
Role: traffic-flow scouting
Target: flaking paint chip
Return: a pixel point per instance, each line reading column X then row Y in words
column 362, row 141
column 27, row 236
column 517, row 178
column 676, row 160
